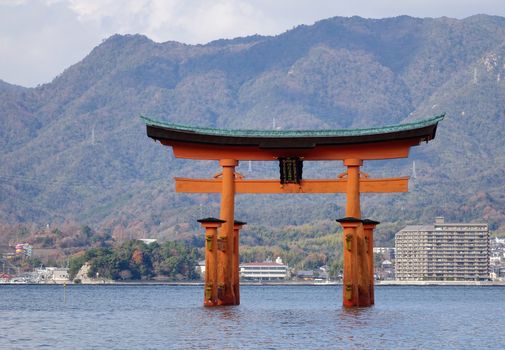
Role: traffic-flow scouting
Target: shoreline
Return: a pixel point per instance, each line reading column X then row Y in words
column 268, row 283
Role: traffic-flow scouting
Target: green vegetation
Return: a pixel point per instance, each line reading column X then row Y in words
column 134, row 260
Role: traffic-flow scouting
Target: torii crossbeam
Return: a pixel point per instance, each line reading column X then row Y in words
column 291, row 149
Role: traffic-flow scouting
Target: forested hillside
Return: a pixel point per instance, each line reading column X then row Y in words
column 75, row 150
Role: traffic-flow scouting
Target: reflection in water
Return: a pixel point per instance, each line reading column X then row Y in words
column 227, row 313
column 167, row 317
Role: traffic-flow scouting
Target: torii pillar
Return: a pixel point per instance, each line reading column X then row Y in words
column 357, row 275
column 226, row 244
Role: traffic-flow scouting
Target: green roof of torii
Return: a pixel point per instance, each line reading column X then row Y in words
column 294, row 133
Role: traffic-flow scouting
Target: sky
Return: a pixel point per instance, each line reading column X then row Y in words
column 41, row 38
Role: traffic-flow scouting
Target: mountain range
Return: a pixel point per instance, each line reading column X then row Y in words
column 75, row 148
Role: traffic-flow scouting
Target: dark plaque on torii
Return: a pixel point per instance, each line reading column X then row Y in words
column 291, row 169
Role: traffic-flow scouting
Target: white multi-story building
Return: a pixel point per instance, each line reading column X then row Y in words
column 268, row 270
column 442, row 251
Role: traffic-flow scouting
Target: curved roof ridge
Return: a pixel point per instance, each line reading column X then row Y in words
column 290, row 133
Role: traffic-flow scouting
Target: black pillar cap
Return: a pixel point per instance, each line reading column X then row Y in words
column 370, row 222
column 348, row 219
column 236, row 222
column 210, row 220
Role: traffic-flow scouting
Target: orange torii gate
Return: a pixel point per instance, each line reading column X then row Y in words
column 291, row 149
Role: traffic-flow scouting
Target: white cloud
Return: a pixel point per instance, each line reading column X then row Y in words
column 214, row 20
column 11, row 2
column 40, row 38
column 195, row 21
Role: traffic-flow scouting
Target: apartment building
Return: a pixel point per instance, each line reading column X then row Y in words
column 443, row 251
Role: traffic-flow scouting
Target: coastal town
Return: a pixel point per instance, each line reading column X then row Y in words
column 439, row 252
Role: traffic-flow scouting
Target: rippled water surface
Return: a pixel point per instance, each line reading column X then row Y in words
column 270, row 317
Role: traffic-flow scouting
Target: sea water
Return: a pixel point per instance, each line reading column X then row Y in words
column 269, row 317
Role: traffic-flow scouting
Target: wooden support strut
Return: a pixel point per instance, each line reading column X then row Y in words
column 350, row 293
column 363, row 270
column 211, row 282
column 236, row 260
column 368, row 227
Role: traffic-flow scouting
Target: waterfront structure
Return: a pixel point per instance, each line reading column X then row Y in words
column 291, row 149
column 57, row 275
column 443, row 251
column 264, row 271
column 320, row 274
column 305, row 275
